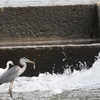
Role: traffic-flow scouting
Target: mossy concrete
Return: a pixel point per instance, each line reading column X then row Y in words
column 49, row 21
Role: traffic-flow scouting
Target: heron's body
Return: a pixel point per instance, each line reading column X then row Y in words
column 2, row 71
column 11, row 74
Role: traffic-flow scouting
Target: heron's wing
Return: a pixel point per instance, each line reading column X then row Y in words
column 10, row 74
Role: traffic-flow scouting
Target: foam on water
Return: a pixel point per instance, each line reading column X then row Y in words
column 58, row 83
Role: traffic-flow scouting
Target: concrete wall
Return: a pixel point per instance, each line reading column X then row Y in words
column 63, row 21
column 42, row 22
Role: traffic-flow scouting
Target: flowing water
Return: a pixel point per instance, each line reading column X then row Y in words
column 80, row 85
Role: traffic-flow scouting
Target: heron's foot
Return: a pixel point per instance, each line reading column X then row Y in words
column 10, row 92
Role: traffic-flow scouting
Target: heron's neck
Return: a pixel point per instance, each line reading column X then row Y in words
column 24, row 66
column 7, row 66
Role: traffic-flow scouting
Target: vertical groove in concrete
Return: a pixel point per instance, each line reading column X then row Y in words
column 98, row 17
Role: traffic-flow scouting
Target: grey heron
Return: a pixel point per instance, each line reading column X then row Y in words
column 11, row 74
column 2, row 71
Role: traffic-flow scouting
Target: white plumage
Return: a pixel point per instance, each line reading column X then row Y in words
column 2, row 71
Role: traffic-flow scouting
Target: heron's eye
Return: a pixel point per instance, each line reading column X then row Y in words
column 24, row 58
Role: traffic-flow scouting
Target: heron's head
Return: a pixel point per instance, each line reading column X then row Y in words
column 26, row 60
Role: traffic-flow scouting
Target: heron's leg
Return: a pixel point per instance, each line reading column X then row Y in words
column 10, row 88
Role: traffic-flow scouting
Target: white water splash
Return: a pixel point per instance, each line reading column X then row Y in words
column 89, row 78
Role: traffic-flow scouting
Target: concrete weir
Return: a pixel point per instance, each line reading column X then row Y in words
column 53, row 36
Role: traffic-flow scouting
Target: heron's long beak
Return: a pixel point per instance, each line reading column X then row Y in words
column 32, row 63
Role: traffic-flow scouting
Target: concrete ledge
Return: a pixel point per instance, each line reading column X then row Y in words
column 29, row 41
